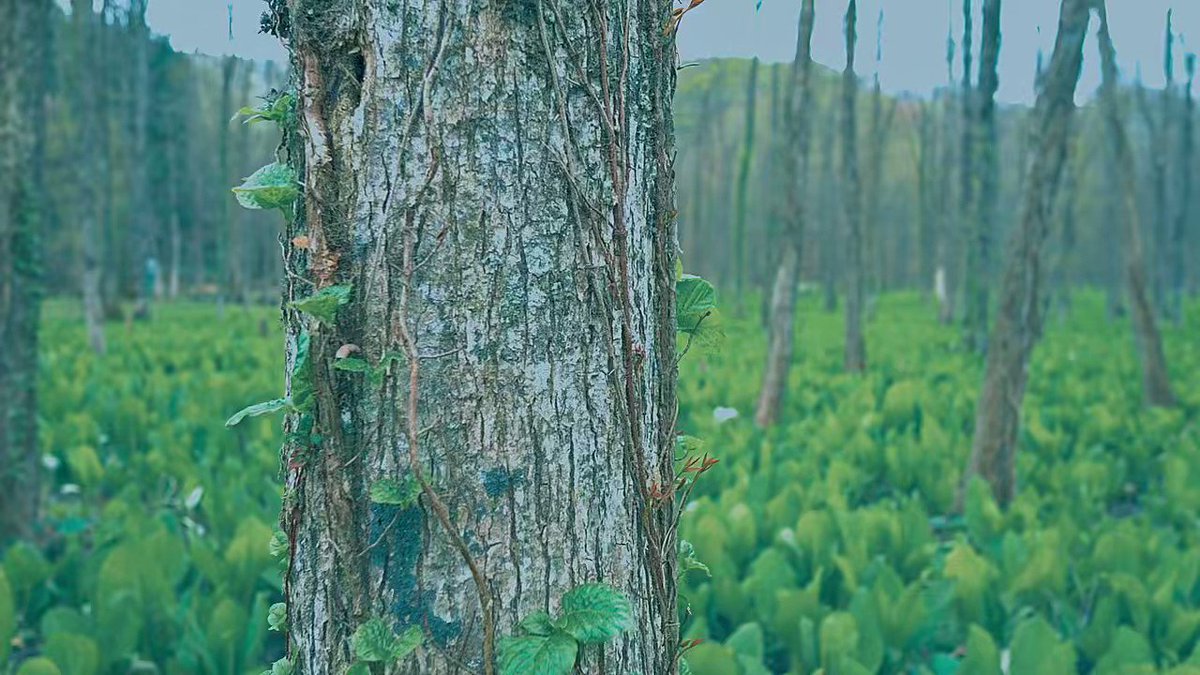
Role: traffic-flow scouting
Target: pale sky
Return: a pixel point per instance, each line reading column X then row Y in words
column 914, row 36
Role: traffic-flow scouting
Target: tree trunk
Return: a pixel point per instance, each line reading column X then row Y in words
column 24, row 48
column 830, row 232
column 983, row 195
column 926, row 218
column 855, row 349
column 501, row 200
column 945, row 276
column 1019, row 316
column 1185, row 172
column 142, row 249
column 743, row 185
column 794, row 157
column 89, row 162
column 229, row 235
column 1155, row 383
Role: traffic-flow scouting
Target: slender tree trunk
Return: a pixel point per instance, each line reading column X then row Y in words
column 986, row 164
column 926, row 216
column 743, row 186
column 92, row 153
column 229, row 235
column 794, row 157
column 1019, row 317
column 855, row 348
column 879, row 126
column 830, row 245
column 501, row 200
column 142, row 239
column 1155, row 382
column 945, row 277
column 24, row 48
column 1185, row 174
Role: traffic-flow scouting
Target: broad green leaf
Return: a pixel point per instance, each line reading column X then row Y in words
column 8, row 616
column 359, row 668
column 273, row 186
column 38, row 665
column 373, row 641
column 694, row 297
column 264, row 408
column 595, row 613
column 401, row 493
column 279, row 110
column 982, row 656
column 538, row 654
column 324, row 303
column 747, row 641
column 538, row 623
column 73, row 654
column 1037, row 650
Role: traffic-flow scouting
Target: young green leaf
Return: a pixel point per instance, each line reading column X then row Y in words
column 273, row 186
column 407, row 643
column 264, row 408
column 395, row 492
column 694, row 298
column 277, row 617
column 688, row 561
column 538, row 654
column 324, row 303
column 373, row 641
column 594, row 613
column 281, row 667
column 538, row 623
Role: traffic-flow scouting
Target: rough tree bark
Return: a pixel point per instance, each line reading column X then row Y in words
column 1019, row 314
column 496, row 183
column 24, row 38
column 794, row 158
column 982, row 214
column 855, row 348
column 743, row 186
column 1156, row 384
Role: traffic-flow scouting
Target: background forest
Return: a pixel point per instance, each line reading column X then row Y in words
column 846, row 528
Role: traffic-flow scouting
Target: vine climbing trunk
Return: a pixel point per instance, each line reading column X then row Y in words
column 494, row 184
column 794, row 160
column 1019, row 316
column 24, row 37
column 1156, row 385
column 855, row 348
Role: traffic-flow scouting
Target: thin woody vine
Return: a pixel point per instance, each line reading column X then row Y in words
column 591, row 613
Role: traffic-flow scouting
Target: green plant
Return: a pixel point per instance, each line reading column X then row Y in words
column 589, row 614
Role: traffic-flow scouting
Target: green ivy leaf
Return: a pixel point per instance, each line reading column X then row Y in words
column 594, row 613
column 264, row 408
column 538, row 654
column 373, row 641
column 398, row 493
column 277, row 617
column 352, row 364
column 278, row 544
column 688, row 561
column 358, row 668
column 538, row 623
column 324, row 303
column 274, row 186
column 694, row 298
column 302, row 376
column 407, row 643
column 281, row 667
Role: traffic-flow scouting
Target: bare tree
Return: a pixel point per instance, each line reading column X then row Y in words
column 856, row 348
column 743, row 183
column 24, row 49
column 1184, row 175
column 983, row 196
column 794, row 158
column 1156, row 384
column 1019, row 315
